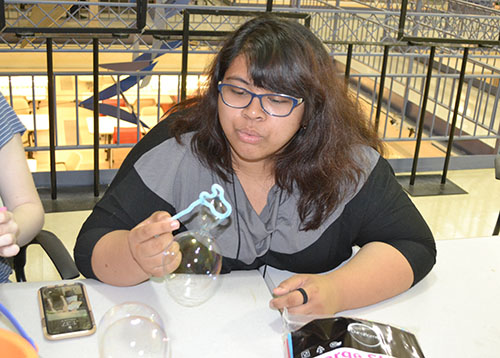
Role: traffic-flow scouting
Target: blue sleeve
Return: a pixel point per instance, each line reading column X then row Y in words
column 9, row 122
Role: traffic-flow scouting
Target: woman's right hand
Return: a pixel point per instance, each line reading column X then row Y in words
column 148, row 241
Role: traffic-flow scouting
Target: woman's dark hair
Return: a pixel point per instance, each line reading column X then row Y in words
column 283, row 56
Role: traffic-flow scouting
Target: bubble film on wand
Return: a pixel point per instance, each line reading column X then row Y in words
column 195, row 279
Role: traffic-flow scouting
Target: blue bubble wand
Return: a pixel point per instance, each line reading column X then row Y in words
column 217, row 191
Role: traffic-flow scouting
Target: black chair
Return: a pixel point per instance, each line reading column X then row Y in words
column 56, row 251
column 497, row 175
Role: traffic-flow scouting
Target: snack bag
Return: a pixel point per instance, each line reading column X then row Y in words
column 342, row 337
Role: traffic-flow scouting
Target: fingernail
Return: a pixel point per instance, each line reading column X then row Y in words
column 174, row 224
column 3, row 208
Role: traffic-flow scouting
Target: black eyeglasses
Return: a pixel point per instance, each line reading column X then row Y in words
column 278, row 105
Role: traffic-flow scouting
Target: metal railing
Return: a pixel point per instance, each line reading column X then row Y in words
column 382, row 48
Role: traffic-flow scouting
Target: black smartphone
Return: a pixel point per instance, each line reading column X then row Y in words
column 65, row 311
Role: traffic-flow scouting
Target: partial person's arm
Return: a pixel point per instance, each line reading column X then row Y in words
column 123, row 239
column 125, row 258
column 24, row 217
column 397, row 251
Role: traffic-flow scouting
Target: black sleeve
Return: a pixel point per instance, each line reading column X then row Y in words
column 388, row 215
column 126, row 202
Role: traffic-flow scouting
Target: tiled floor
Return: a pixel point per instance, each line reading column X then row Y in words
column 450, row 216
column 470, row 215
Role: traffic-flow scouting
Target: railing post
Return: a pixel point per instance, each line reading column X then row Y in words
column 420, row 129
column 455, row 114
column 95, row 51
column 141, row 8
column 348, row 64
column 185, row 49
column 307, row 22
column 52, row 119
column 402, row 19
column 2, row 15
column 381, row 87
column 269, row 5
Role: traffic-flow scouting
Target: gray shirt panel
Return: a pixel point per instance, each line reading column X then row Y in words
column 173, row 172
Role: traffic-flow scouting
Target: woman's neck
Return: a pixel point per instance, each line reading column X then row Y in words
column 256, row 173
column 256, row 179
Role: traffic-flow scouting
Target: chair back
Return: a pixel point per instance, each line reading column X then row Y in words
column 60, row 257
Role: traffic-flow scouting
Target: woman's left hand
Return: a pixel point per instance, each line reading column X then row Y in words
column 318, row 290
column 8, row 234
column 376, row 272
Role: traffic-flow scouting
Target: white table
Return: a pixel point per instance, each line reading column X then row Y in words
column 455, row 310
column 42, row 121
column 42, row 124
column 107, row 127
column 107, row 124
column 235, row 322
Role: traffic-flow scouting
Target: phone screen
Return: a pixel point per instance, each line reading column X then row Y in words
column 66, row 309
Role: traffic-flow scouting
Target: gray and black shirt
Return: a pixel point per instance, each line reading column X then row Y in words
column 161, row 174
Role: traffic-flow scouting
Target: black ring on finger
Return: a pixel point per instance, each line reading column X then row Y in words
column 304, row 295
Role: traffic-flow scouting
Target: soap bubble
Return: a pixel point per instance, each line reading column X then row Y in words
column 197, row 276
column 134, row 336
column 192, row 262
column 132, row 329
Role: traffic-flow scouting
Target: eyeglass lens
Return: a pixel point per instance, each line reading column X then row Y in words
column 273, row 104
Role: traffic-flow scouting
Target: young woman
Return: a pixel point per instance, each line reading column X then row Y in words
column 21, row 214
column 299, row 164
